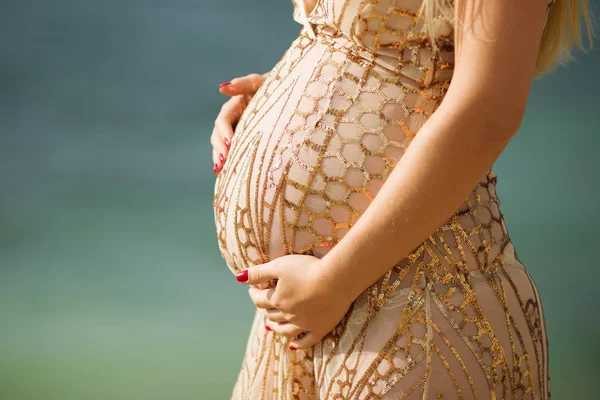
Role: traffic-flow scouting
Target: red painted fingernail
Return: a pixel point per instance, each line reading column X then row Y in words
column 227, row 143
column 242, row 276
column 221, row 158
column 215, row 168
column 267, row 327
column 224, row 84
column 292, row 348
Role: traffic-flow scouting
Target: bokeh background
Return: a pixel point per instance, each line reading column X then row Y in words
column 111, row 282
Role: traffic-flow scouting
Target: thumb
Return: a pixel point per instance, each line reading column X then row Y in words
column 248, row 84
column 262, row 273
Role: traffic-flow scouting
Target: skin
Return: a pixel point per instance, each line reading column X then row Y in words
column 241, row 91
column 496, row 49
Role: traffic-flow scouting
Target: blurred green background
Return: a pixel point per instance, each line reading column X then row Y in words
column 111, row 283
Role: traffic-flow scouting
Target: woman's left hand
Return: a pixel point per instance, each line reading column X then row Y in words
column 304, row 299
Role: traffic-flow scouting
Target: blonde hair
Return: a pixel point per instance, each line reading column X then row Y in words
column 568, row 21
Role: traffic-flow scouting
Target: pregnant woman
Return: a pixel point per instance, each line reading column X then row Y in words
column 355, row 198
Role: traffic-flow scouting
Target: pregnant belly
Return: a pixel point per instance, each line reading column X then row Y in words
column 310, row 153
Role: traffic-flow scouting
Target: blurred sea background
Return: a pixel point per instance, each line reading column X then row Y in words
column 111, row 283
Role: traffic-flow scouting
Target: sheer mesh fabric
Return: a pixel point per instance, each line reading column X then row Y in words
column 458, row 318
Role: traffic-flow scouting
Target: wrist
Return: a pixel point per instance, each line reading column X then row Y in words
column 338, row 282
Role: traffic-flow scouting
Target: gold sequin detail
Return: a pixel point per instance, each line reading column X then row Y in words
column 459, row 317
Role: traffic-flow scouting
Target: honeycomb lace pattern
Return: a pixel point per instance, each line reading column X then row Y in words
column 459, row 317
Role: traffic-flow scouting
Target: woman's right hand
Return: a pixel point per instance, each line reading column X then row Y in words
column 241, row 91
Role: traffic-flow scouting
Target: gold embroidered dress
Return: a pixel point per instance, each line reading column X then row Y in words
column 458, row 318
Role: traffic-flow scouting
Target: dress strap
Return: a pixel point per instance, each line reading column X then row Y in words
column 302, row 17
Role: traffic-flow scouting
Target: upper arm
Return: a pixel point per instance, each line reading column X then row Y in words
column 496, row 48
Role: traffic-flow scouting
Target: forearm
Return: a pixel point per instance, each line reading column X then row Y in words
column 449, row 155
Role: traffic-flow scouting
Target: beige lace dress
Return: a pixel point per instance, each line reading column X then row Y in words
column 458, row 318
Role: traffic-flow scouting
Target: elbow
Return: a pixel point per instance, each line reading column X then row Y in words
column 487, row 117
column 497, row 112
